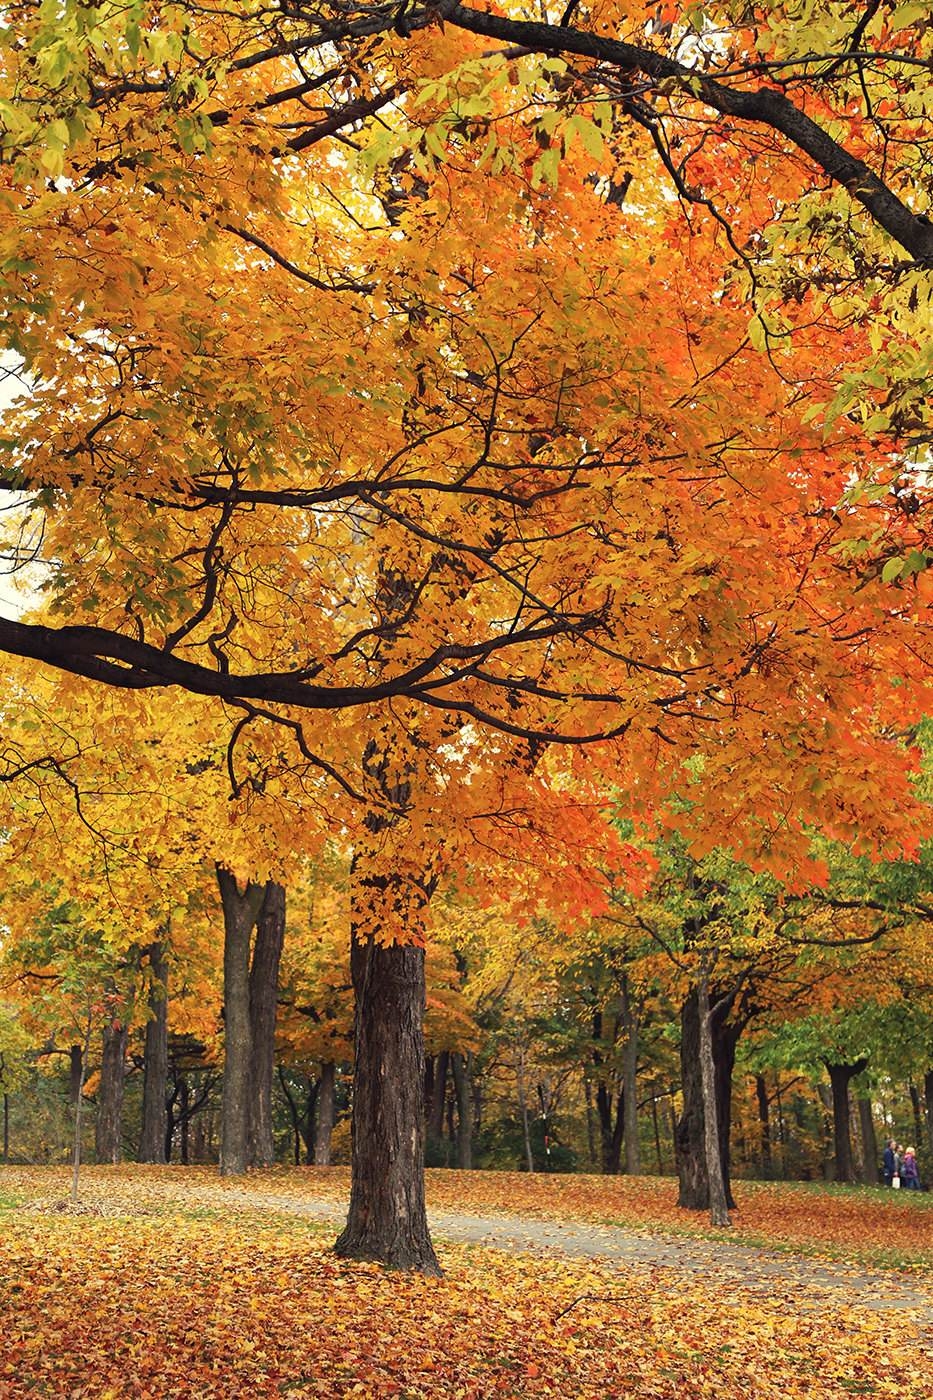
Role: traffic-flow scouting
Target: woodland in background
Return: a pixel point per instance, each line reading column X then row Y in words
column 547, row 1051
column 468, row 472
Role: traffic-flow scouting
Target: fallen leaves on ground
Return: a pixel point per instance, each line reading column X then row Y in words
column 163, row 1306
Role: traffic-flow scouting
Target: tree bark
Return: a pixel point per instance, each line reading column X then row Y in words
column 718, row 1206
column 689, row 1131
column 155, row 1061
column 438, row 1097
column 915, row 1105
column 764, row 1122
column 387, row 1220
column 630, row 1083
column 523, row 1110
column 928, row 1103
column 6, row 1129
column 839, row 1078
column 326, row 1113
column 263, row 1001
column 461, row 1066
column 869, row 1142
column 240, row 913
column 75, row 1074
column 108, row 1132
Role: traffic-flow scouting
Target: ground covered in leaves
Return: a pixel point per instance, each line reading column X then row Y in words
column 165, row 1285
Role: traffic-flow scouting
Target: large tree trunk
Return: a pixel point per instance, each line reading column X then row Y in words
column 914, row 1093
column 689, row 1133
column 155, row 1062
column 630, row 1083
column 869, row 1142
column 839, row 1078
column 928, row 1102
column 240, row 913
column 718, row 1207
column 263, row 1000
column 461, row 1066
column 108, row 1133
column 387, row 1220
column 326, row 1113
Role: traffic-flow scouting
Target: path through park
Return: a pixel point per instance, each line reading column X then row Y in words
column 751, row 1270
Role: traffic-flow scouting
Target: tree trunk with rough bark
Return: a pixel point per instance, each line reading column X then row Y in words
column 326, row 1113
column 461, row 1066
column 630, row 1083
column 764, row 1124
column 689, row 1131
column 840, row 1076
column 438, row 1097
column 108, row 1132
column 928, row 1102
column 241, row 909
column 866, row 1120
column 155, row 1061
column 387, row 1220
column 263, row 1003
column 718, row 1207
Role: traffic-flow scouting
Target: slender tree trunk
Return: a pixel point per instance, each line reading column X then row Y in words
column 438, row 1097
column 240, row 913
column 764, row 1122
column 718, row 1207
column 657, row 1134
column 155, row 1063
column 462, row 1065
column 108, row 1134
column 185, row 1121
column 387, row 1220
column 918, row 1118
column 263, row 1001
column 611, row 1127
column 75, row 1074
column 523, row 1109
column 928, row 1102
column 689, row 1132
column 869, row 1142
column 326, row 1112
column 78, row 1101
column 630, row 1083
column 839, row 1077
column 6, row 1129
column 590, row 1124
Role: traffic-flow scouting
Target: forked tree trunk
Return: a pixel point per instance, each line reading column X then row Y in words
column 718, row 1207
column 689, row 1129
column 108, row 1132
column 240, row 913
column 840, row 1076
column 869, row 1142
column 263, row 1002
column 387, row 1221
column 326, row 1113
column 461, row 1066
column 155, row 1062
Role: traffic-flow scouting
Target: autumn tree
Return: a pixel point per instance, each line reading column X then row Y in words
column 428, row 477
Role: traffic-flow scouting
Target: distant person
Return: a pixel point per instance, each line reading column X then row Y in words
column 910, row 1176
column 888, row 1162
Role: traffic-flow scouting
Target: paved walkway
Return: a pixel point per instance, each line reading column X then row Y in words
column 758, row 1271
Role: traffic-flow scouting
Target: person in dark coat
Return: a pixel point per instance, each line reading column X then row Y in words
column 889, row 1162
